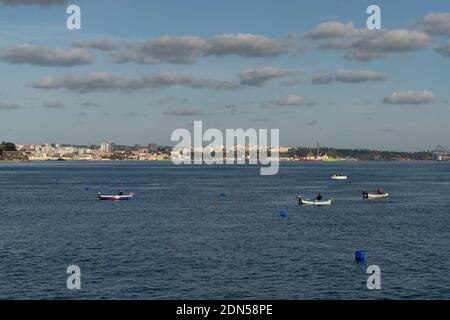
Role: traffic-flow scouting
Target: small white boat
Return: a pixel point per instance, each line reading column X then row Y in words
column 314, row 202
column 338, row 177
column 374, row 195
column 116, row 197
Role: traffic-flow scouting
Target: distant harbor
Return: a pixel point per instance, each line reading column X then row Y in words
column 10, row 152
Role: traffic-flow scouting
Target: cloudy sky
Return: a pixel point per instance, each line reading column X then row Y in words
column 139, row 69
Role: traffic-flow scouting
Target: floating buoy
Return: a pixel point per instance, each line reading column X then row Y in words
column 360, row 255
column 87, row 189
column 283, row 213
column 222, row 194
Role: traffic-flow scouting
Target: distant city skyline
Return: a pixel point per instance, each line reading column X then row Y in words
column 151, row 152
column 108, row 145
column 138, row 70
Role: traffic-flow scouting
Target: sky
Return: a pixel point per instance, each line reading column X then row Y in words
column 139, row 69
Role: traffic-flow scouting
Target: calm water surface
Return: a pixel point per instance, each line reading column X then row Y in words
column 180, row 239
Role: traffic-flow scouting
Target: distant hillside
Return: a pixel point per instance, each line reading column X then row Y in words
column 8, row 152
column 361, row 154
column 7, row 146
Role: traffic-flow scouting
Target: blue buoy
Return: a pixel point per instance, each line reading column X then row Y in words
column 87, row 188
column 360, row 255
column 283, row 213
column 222, row 194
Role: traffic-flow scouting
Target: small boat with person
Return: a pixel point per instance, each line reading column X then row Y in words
column 338, row 177
column 119, row 196
column 318, row 201
column 378, row 194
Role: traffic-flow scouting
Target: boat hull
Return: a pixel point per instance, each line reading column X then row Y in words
column 125, row 197
column 368, row 195
column 304, row 202
column 339, row 178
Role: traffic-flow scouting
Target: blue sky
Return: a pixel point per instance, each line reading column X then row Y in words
column 232, row 64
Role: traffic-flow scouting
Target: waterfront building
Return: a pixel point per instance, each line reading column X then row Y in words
column 107, row 146
column 152, row 148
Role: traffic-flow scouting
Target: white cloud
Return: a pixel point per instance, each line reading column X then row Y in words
column 363, row 44
column 393, row 41
column 410, row 97
column 332, row 29
column 102, row 81
column 436, row 23
column 45, row 56
column 347, row 76
column 243, row 45
column 294, row 101
column 170, row 49
column 186, row 49
column 258, row 77
column 355, row 76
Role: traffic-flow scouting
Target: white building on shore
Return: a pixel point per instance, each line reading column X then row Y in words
column 107, row 147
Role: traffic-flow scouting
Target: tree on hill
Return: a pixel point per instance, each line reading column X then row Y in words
column 7, row 146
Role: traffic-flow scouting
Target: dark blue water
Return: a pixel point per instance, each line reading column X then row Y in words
column 180, row 239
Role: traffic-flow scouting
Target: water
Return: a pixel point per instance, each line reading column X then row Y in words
column 180, row 238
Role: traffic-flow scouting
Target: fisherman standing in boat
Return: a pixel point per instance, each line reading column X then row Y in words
column 119, row 192
column 319, row 197
column 380, row 191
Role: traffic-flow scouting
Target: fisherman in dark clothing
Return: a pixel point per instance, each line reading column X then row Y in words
column 120, row 192
column 319, row 197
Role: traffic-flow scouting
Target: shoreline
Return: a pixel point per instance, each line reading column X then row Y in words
column 15, row 161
